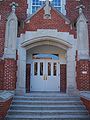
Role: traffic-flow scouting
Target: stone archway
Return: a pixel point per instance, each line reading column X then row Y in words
column 55, row 40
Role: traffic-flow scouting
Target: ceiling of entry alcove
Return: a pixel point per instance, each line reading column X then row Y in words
column 47, row 49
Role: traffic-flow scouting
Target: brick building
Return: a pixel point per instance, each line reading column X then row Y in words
column 46, row 44
column 45, row 48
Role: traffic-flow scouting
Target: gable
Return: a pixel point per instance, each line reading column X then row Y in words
column 58, row 21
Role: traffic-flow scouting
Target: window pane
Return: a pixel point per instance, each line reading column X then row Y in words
column 35, row 68
column 45, row 56
column 56, row 2
column 49, row 69
column 33, row 9
column 39, row 3
column 58, row 8
column 55, row 69
column 41, row 68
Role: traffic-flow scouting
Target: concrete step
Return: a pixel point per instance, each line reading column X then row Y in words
column 47, row 117
column 51, row 93
column 41, row 102
column 47, row 112
column 46, row 98
column 47, row 107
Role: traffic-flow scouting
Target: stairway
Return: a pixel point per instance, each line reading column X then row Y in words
column 47, row 106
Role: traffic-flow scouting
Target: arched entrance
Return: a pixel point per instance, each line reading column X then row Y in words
column 37, row 43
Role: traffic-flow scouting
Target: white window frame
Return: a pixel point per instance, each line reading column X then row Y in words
column 63, row 3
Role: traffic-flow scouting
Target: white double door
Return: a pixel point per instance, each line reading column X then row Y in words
column 45, row 75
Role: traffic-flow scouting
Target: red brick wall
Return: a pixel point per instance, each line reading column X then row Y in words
column 83, row 80
column 1, row 73
column 72, row 12
column 86, row 102
column 63, row 78
column 9, row 74
column 28, row 68
column 5, row 10
column 56, row 22
column 4, row 106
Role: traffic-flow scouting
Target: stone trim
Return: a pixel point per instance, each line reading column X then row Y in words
column 6, row 95
column 11, row 37
column 61, row 39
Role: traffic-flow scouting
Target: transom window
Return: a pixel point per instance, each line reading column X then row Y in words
column 45, row 56
column 34, row 5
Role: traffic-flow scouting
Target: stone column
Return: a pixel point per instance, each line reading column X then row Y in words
column 21, row 75
column 11, row 37
column 82, row 35
column 71, row 71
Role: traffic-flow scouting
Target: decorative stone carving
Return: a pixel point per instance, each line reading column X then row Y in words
column 47, row 9
column 82, row 35
column 11, row 34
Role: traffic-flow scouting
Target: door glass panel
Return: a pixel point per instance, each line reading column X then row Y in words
column 49, row 69
column 35, row 68
column 55, row 69
column 41, row 68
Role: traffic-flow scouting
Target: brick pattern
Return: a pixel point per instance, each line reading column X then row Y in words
column 4, row 106
column 56, row 22
column 83, row 75
column 72, row 12
column 63, row 78
column 5, row 10
column 1, row 73
column 9, row 74
column 28, row 68
column 86, row 102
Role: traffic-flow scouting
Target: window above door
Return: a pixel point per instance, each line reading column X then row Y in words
column 45, row 56
column 34, row 5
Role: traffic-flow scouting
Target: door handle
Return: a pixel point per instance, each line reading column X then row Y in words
column 44, row 77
